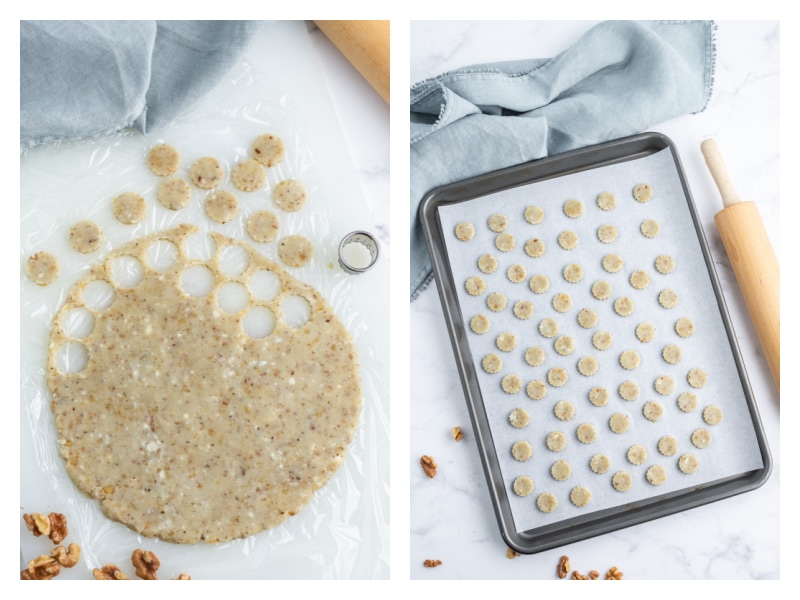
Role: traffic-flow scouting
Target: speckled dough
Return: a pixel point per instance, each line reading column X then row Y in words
column 573, row 273
column 564, row 410
column 619, row 423
column 548, row 328
column 268, row 150
column 222, row 206
column 622, row 481
column 701, row 438
column 568, row 240
column 687, row 402
column 562, row 302
column 602, row 340
column 163, row 160
column 85, row 237
column 534, row 215
column 556, row 441
column 516, row 273
column 606, row 201
column 607, row 233
column 612, row 262
column 511, row 383
column 650, row 228
column 263, row 226
column 290, row 195
column 653, row 410
column 295, row 250
column 249, row 175
column 668, row 299
column 688, row 463
column 586, row 433
column 580, row 496
column 536, row 389
column 637, row 454
column 506, row 341
column 712, row 414
column 496, row 301
column 523, row 309
column 672, row 354
column 504, row 242
column 480, row 324
column 643, row 192
column 697, row 378
column 492, row 363
column 623, row 306
column 629, row 390
column 601, row 290
column 664, row 385
column 206, row 173
column 534, row 247
column 665, row 264
column 465, row 231
column 564, row 345
column 487, row 263
column 519, row 418
column 539, row 284
column 498, row 223
column 640, row 279
column 645, row 332
column 668, row 445
column 557, row 377
column 534, row 356
column 547, row 502
column 522, row 451
column 656, row 475
column 629, row 359
column 684, row 327
column 588, row 366
column 587, row 318
column 598, row 396
column 129, row 208
column 523, row 486
column 174, row 193
column 599, row 463
column 42, row 268
column 186, row 458
column 475, row 286
column 573, row 208
column 560, row 470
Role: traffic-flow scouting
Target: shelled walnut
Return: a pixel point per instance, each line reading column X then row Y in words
column 563, row 567
column 428, row 465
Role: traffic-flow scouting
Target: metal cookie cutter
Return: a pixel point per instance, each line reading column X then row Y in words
column 358, row 252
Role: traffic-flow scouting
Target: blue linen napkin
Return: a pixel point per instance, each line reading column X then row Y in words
column 82, row 79
column 620, row 78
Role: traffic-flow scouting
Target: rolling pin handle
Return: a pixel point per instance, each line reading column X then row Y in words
column 719, row 172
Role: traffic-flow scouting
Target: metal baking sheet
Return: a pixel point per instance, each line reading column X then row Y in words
column 737, row 458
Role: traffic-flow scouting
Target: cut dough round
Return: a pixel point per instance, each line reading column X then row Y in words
column 506, row 341
column 645, row 332
column 504, row 242
column 536, row 389
column 129, row 208
column 487, row 263
column 562, row 302
column 556, row 441
column 511, row 383
column 206, row 173
column 672, row 354
column 643, row 192
column 622, row 481
column 573, row 208
column 601, row 290
column 465, row 231
column 684, row 327
column 268, row 149
column 664, row 385
column 539, row 284
column 656, row 475
column 623, row 306
column 637, row 454
column 534, row 356
column 586, row 433
column 263, row 226
column 701, row 438
column 174, row 193
column 516, row 273
column 568, row 240
column 85, row 237
column 295, row 250
column 564, row 410
column 573, row 273
column 712, row 414
column 629, row 359
column 668, row 299
column 496, row 301
column 629, row 390
column 163, row 160
column 580, row 496
column 492, row 363
column 290, row 195
column 222, row 206
column 523, row 485
column 687, row 402
column 650, row 228
column 688, row 463
column 534, row 247
column 519, row 418
column 498, row 223
column 619, row 422
column 587, row 318
column 249, row 175
column 557, row 377
column 475, row 286
column 606, row 201
column 564, row 345
column 612, row 262
column 522, row 451
column 523, row 309
column 599, row 463
column 547, row 502
column 607, row 233
column 548, row 328
column 560, row 470
column 534, row 214
column 598, row 396
column 697, row 378
column 480, row 324
column 42, row 268
column 653, row 410
column 668, row 445
column 639, row 279
column 665, row 264
column 588, row 366
column 602, row 340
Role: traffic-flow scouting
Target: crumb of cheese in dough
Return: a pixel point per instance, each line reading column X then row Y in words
column 622, row 481
column 573, row 208
column 511, row 383
column 562, row 302
column 163, row 160
column 523, row 485
column 290, row 195
column 295, row 250
column 498, row 223
column 639, row 279
column 534, row 247
column 547, row 502
column 712, row 414
column 598, row 396
column 672, row 354
column 602, row 340
column 564, row 410
column 643, row 192
column 607, row 233
column 665, row 264
column 129, row 208
column 688, row 463
column 560, row 470
column 701, row 438
column 263, row 226
column 667, row 445
column 465, row 231
column 492, row 363
column 174, row 193
column 684, row 327
column 619, row 423
column 601, row 290
column 487, row 263
column 206, row 173
column 519, row 418
column 539, row 284
column 656, row 475
column 534, row 356
column 504, row 242
column 580, row 496
column 557, row 377
column 637, row 454
column 587, row 318
column 629, row 359
column 645, row 332
column 612, row 263
column 42, row 268
column 85, row 237
column 568, row 240
column 629, row 390
column 536, row 389
column 480, row 324
column 697, row 378
column 687, row 401
column 523, row 309
column 664, row 385
column 222, row 206
column 548, row 328
column 668, row 299
column 556, row 441
column 506, row 341
column 599, row 463
column 606, row 201
column 588, row 366
column 249, row 175
column 564, row 345
column 522, row 451
column 623, row 306
column 534, row 214
column 496, row 301
column 586, row 433
column 475, row 286
column 573, row 273
column 516, row 273
column 268, row 149
column 650, row 228
column 653, row 410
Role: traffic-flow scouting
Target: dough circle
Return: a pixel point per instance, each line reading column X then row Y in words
column 85, row 237
column 163, row 160
column 653, row 410
column 487, row 263
column 645, row 332
column 523, row 309
column 601, row 290
column 174, row 193
column 191, row 461
column 643, row 192
column 295, row 250
column 587, row 318
column 640, row 279
column 573, row 273
column 664, row 385
column 263, row 226
column 519, row 418
column 672, row 354
column 637, row 454
column 249, row 175
column 42, row 268
column 560, row 470
column 548, row 328
column 536, row 389
column 539, row 284
column 534, row 214
column 480, row 324
column 602, row 340
column 712, row 414
column 492, row 363
column 498, row 223
column 573, row 208
column 516, row 273
column 607, row 233
column 606, row 201
column 668, row 445
column 222, row 206
column 629, row 390
column 599, row 463
column 556, row 441
column 588, row 366
column 504, row 242
column 562, row 302
column 523, row 485
column 684, row 327
column 650, row 228
column 475, row 286
column 623, row 306
column 564, row 410
column 612, row 262
column 557, row 377
column 688, row 463
column 534, row 247
column 511, row 383
column 129, row 208
column 506, row 341
column 268, row 149
column 564, row 345
column 622, row 481
column 496, row 301
column 206, row 173
column 619, row 423
column 687, row 402
column 701, row 438
column 665, row 264
column 668, row 299
column 586, row 433
column 697, row 378
column 656, row 475
column 534, row 356
column 290, row 195
column 568, row 240
column 598, row 396
column 465, row 231
column 547, row 502
column 629, row 359
column 522, row 451
column 580, row 496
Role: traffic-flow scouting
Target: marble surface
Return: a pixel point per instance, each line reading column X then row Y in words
column 451, row 516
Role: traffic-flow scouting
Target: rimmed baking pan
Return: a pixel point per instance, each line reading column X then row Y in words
column 639, row 406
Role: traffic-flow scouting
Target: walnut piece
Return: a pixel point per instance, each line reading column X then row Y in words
column 53, row 525
column 183, row 577
column 146, row 564
column 458, row 435
column 41, row 568
column 432, row 563
column 58, row 527
column 576, row 575
column 67, row 557
column 38, row 523
column 593, row 574
column 428, row 465
column 109, row 572
column 511, row 553
column 614, row 573
column 563, row 567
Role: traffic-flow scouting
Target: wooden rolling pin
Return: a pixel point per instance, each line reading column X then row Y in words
column 752, row 258
column 366, row 45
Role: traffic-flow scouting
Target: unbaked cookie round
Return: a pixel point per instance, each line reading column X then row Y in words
column 701, row 438
column 487, row 263
column 534, row 247
column 629, row 390
column 475, row 286
column 129, row 208
column 42, row 268
column 564, row 410
column 606, row 201
column 249, row 175
column 622, row 481
column 263, row 226
column 712, row 414
column 564, row 345
column 687, row 402
column 465, row 231
column 568, row 240
column 607, row 233
column 653, row 410
column 665, row 264
column 684, row 327
column 557, row 377
column 536, row 389
column 498, row 223
column 519, row 418
column 523, row 309
column 206, row 173
column 650, row 228
column 496, row 301
column 523, row 485
column 599, row 463
column 688, row 463
column 639, row 279
column 619, row 423
column 295, row 250
column 556, row 441
column 668, row 299
column 548, row 328
column 697, row 378
column 511, row 383
column 601, row 290
column 612, row 262
column 586, row 433
column 504, row 242
column 547, row 502
column 85, row 236
column 480, row 324
column 629, row 359
column 163, row 160
column 573, row 273
column 656, row 475
column 637, row 454
column 560, row 470
column 174, row 193
column 672, row 354
column 580, row 496
column 587, row 318
column 562, row 302
column 664, row 385
column 534, row 356
column 668, row 445
column 534, row 214
column 598, row 396
column 290, row 195
column 522, row 451
column 643, row 192
column 573, row 208
column 645, row 332
column 268, row 149
column 492, row 363
column 506, row 341
column 539, row 284
column 588, row 366
column 516, row 273
column 222, row 206
column 623, row 306
column 602, row 340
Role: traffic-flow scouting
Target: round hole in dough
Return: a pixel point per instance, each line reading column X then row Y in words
column 548, row 328
column 672, row 354
column 612, row 263
column 475, row 286
column 523, row 309
column 629, row 390
column 564, row 410
column 629, row 359
column 519, row 418
column 163, row 160
column 619, row 423
column 598, row 396
column 534, row 214
column 588, row 366
column 492, row 363
column 568, row 240
column 601, row 290
column 511, row 383
column 296, row 310
column 534, row 247
column 580, row 496
column 174, row 193
column 684, row 327
column 557, row 377
column 587, row 318
column 667, row 445
column 496, row 301
column 607, row 233
column 643, row 192
column 129, row 208
column 697, row 378
column 665, row 264
column 290, row 195
column 295, row 250
column 263, row 226
column 487, row 263
column 522, row 451
column 573, row 208
column 539, row 284
column 498, row 223
column 264, row 285
column 650, row 228
column 640, row 279
column 688, row 463
column 622, row 481
column 85, row 237
column 653, row 410
column 200, row 246
column 523, row 485
column 516, row 273
column 465, row 231
column 560, row 470
column 664, row 385
column 77, row 322
column 701, row 438
column 126, row 271
column 564, row 345
column 562, row 302
column 547, row 502
column 98, row 295
column 249, row 175
column 222, row 206
column 234, row 260
column 645, row 332
column 602, row 340
column 599, row 463
column 206, row 173
column 536, row 389
column 504, row 242
column 42, row 268
column 71, row 357
column 623, row 306
column 233, row 297
column 656, row 475
column 268, row 149
column 197, row 281
column 480, row 324
column 259, row 322
column 534, row 356
column 687, row 402
column 506, row 341
column 637, row 454
column 573, row 273
column 712, row 414
column 162, row 255
column 586, row 433
column 556, row 441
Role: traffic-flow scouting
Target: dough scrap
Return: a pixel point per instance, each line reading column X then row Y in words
column 650, row 228
column 664, row 385
column 580, row 496
column 665, row 264
column 498, row 223
column 222, row 206
column 640, row 279
column 206, row 173
column 523, row 486
column 602, row 340
column 687, row 402
column 668, row 299
column 643, row 192
column 656, row 475
column 688, row 463
column 163, row 160
column 487, row 263
column 568, row 240
column 564, row 345
column 684, row 327
column 606, row 201
column 492, row 363
column 534, row 247
column 129, row 208
column 564, row 410
column 645, row 332
column 668, row 445
column 612, row 262
column 268, row 149
column 522, row 451
column 504, row 242
column 587, row 318
column 560, row 470
column 607, row 233
column 516, row 273
column 511, row 383
column 174, row 193
column 496, row 301
column 475, row 286
column 290, row 195
column 712, row 414
column 42, row 268
column 295, row 250
column 653, row 410
column 556, row 441
column 263, row 226
column 637, row 454
column 623, row 306
column 573, row 208
column 697, row 378
column 701, row 438
column 548, row 328
column 599, row 463
column 619, row 423
column 249, row 175
column 534, row 214
column 85, row 237
column 539, row 284
column 506, row 341
column 557, row 377
column 536, row 389
column 622, row 481
column 562, row 302
column 586, row 433
column 519, row 418
column 523, row 309
column 573, row 273
column 547, row 502
column 629, row 390
column 629, row 359
column 534, row 356
column 598, row 396
column 465, row 231
column 480, row 324
column 672, row 354
column 588, row 366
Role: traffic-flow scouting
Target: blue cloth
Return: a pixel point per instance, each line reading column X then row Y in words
column 620, row 78
column 83, row 79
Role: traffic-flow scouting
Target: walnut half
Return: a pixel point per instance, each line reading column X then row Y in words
column 53, row 525
column 110, row 572
column 428, row 465
column 146, row 564
column 67, row 557
column 563, row 567
column 432, row 563
column 614, row 573
column 41, row 568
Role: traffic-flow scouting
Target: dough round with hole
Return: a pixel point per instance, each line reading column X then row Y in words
column 701, row 438
column 181, row 459
column 607, row 233
column 664, row 385
column 645, row 332
column 222, row 206
column 556, row 441
column 637, row 454
column 263, row 226
column 684, row 327
column 480, row 324
column 568, row 240
column 492, row 363
column 599, row 463
column 506, row 341
column 539, row 284
column 687, row 402
column 475, row 286
column 656, row 475
column 672, row 354
column 573, row 273
column 612, row 263
column 587, row 318
column 465, row 231
column 504, row 242
column 622, row 481
column 496, row 301
column 665, row 264
column 629, row 390
column 557, row 377
column 580, row 496
column 643, row 192
column 498, row 223
column 586, row 433
column 290, row 195
column 548, row 328
column 688, row 463
column 667, row 445
column 519, row 418
column 562, row 302
column 42, row 268
column 129, row 208
column 653, row 410
column 602, row 340
column 523, row 486
column 534, row 214
column 629, row 359
column 487, row 263
column 606, row 201
column 560, row 470
column 249, row 175
column 523, row 310
column 619, row 423
column 598, row 396
column 86, row 237
column 536, row 389
column 516, row 273
column 174, row 193
column 588, row 366
column 511, row 383
column 268, row 149
column 564, row 410
column 295, row 250
column 163, row 160
column 534, row 356
column 573, row 208
column 712, row 414
column 697, row 378
column 522, row 451
column 534, row 247
column 564, row 345
column 206, row 173
column 639, row 280
column 547, row 502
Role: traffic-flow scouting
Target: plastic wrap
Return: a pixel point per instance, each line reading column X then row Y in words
column 342, row 532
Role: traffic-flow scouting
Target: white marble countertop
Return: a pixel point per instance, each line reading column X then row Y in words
column 452, row 518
